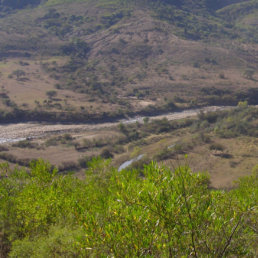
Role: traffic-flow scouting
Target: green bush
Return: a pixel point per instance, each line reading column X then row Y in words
column 26, row 144
column 230, row 123
column 107, row 153
column 60, row 241
column 62, row 139
column 151, row 211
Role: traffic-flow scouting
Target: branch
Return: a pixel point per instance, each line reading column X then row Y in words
column 231, row 236
column 188, row 213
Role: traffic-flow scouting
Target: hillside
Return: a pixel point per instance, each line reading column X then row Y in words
column 146, row 112
column 86, row 60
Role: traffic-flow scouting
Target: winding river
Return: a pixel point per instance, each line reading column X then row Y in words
column 10, row 133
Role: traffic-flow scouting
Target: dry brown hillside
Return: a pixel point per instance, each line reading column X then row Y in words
column 85, row 60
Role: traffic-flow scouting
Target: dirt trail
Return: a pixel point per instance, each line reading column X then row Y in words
column 16, row 132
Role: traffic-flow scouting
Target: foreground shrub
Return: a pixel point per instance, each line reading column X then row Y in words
column 151, row 211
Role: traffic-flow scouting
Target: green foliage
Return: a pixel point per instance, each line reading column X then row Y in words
column 232, row 123
column 26, row 144
column 59, row 242
column 62, row 139
column 77, row 49
column 149, row 212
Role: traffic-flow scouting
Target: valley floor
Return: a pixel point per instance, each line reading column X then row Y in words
column 166, row 139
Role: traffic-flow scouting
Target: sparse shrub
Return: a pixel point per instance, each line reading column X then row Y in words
column 51, row 94
column 53, row 141
column 248, row 74
column 8, row 157
column 18, row 74
column 233, row 164
column 224, row 155
column 83, row 161
column 118, row 149
column 180, row 148
column 67, row 137
column 204, row 137
column 106, row 153
column 77, row 49
column 141, row 51
column 146, row 120
column 22, row 63
column 222, row 76
column 58, row 86
column 217, row 146
column 204, row 124
column 164, row 154
column 171, row 105
column 179, row 99
column 13, row 159
column 3, row 148
column 242, row 104
column 196, row 65
column 25, row 144
column 68, row 166
column 62, row 139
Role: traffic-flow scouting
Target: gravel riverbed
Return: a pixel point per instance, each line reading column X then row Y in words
column 16, row 132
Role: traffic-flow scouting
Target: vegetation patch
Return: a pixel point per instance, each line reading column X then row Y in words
column 151, row 211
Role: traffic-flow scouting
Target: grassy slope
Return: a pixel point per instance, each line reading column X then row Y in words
column 140, row 55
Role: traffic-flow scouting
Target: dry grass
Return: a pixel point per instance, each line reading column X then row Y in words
column 241, row 152
column 173, row 67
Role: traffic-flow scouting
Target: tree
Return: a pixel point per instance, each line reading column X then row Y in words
column 248, row 74
column 77, row 49
column 51, row 94
column 146, row 120
column 19, row 74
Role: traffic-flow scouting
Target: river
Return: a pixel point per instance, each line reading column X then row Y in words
column 10, row 133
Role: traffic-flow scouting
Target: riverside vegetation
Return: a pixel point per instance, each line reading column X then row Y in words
column 215, row 141
column 154, row 211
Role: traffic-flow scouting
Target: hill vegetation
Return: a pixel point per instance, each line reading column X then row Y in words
column 116, row 58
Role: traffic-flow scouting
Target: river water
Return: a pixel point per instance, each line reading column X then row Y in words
column 10, row 133
column 130, row 162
